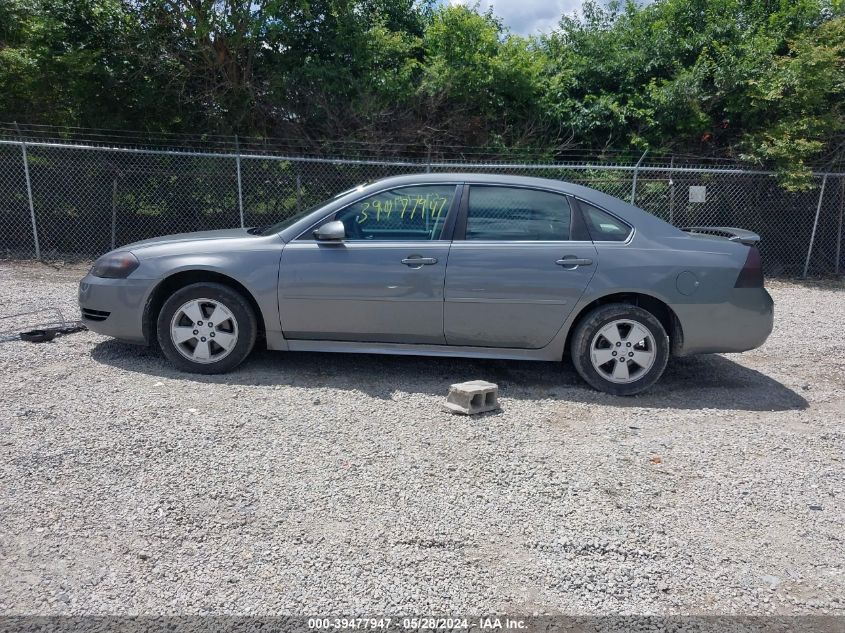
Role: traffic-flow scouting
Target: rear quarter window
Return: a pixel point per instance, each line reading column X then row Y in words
column 602, row 226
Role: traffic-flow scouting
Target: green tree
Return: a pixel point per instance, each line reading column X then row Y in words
column 755, row 79
column 61, row 62
column 800, row 98
column 678, row 75
column 483, row 83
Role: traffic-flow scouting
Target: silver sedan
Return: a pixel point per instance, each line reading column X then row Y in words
column 468, row 265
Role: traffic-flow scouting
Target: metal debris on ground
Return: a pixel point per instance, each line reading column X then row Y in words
column 37, row 326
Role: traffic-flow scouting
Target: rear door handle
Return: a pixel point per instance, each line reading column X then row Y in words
column 415, row 261
column 573, row 262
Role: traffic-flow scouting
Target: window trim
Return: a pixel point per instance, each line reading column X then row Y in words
column 631, row 232
column 463, row 214
column 448, row 223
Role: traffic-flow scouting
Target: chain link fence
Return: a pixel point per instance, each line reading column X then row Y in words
column 76, row 201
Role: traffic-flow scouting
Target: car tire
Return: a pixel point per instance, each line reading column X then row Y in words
column 617, row 331
column 193, row 342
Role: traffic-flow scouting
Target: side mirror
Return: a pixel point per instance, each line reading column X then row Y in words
column 331, row 232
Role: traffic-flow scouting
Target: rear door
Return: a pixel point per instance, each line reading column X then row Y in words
column 383, row 282
column 514, row 271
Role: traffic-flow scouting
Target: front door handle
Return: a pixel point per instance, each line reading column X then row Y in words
column 571, row 261
column 416, row 261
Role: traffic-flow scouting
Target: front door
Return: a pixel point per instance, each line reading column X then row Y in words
column 516, row 274
column 382, row 283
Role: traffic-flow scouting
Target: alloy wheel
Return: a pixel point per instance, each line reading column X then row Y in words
column 623, row 351
column 204, row 330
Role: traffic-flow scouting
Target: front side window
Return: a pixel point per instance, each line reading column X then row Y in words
column 511, row 213
column 604, row 227
column 405, row 213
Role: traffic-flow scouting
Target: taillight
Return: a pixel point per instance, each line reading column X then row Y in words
column 751, row 275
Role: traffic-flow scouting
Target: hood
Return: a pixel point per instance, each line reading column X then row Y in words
column 197, row 236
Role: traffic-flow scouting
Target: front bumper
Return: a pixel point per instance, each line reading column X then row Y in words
column 115, row 307
column 742, row 323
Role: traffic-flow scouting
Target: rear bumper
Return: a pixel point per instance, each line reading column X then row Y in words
column 115, row 307
column 742, row 323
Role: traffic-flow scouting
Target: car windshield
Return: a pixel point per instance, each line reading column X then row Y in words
column 290, row 221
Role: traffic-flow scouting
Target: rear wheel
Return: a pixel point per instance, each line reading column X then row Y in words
column 206, row 328
column 620, row 349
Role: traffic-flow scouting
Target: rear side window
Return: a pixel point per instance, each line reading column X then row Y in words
column 511, row 213
column 604, row 227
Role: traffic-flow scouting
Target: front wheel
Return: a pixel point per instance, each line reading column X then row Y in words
column 620, row 349
column 206, row 328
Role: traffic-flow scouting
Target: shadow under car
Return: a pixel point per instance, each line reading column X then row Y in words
column 697, row 382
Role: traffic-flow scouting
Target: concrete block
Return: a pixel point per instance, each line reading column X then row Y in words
column 475, row 396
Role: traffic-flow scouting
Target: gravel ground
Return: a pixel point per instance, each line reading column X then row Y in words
column 334, row 484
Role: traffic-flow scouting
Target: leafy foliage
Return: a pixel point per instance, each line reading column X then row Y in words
column 762, row 80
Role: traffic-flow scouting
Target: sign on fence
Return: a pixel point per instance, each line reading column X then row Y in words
column 697, row 193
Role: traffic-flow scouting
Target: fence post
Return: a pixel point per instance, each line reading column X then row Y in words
column 815, row 225
column 636, row 172
column 113, row 209
column 298, row 188
column 240, row 188
column 671, row 191
column 839, row 230
column 31, row 204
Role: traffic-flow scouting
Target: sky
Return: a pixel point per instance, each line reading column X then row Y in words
column 527, row 17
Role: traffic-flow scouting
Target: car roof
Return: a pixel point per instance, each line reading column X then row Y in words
column 472, row 177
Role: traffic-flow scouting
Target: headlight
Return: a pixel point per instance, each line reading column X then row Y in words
column 116, row 265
